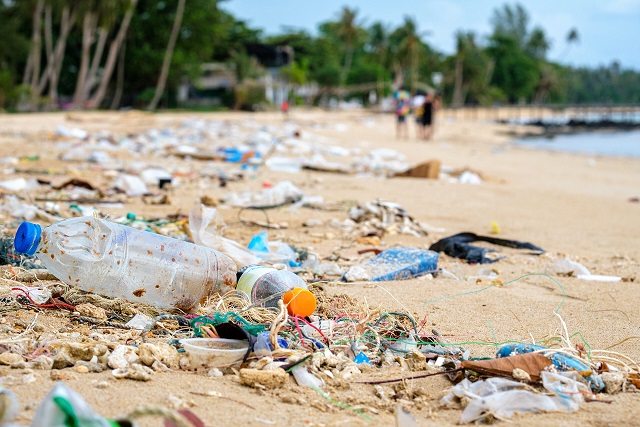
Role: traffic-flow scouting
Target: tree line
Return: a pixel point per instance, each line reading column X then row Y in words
column 94, row 54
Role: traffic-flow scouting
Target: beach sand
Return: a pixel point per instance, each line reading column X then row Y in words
column 571, row 205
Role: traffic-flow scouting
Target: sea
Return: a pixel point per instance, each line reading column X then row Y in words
column 614, row 143
column 600, row 143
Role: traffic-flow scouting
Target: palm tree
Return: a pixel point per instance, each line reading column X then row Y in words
column 511, row 22
column 379, row 42
column 471, row 69
column 112, row 56
column 572, row 38
column 53, row 55
column 462, row 40
column 98, row 19
column 538, row 45
column 168, row 54
column 409, row 42
column 32, row 71
column 348, row 31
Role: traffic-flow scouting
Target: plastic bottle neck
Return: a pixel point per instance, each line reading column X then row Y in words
column 250, row 276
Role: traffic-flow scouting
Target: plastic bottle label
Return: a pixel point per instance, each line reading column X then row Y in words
column 251, row 276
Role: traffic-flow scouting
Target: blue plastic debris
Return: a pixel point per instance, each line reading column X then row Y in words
column 562, row 362
column 361, row 358
column 394, row 264
column 259, row 242
column 279, row 252
column 264, row 337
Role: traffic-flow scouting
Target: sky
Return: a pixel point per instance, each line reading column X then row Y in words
column 609, row 30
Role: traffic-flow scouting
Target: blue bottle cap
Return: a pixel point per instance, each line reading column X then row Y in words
column 27, row 238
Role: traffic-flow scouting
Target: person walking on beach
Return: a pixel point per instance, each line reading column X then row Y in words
column 428, row 111
column 417, row 106
column 284, row 107
column 403, row 107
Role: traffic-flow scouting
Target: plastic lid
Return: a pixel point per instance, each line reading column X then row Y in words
column 299, row 302
column 27, row 238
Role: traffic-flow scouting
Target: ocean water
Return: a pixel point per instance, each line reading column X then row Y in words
column 614, row 143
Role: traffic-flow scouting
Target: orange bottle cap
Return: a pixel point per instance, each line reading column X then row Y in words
column 299, row 302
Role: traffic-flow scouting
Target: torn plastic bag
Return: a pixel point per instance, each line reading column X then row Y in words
column 480, row 389
column 503, row 405
column 458, row 246
column 501, row 398
column 206, row 226
column 570, row 386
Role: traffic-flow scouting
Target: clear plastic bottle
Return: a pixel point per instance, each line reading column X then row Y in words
column 114, row 260
column 266, row 286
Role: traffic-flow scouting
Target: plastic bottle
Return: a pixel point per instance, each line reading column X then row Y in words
column 118, row 261
column 394, row 264
column 266, row 286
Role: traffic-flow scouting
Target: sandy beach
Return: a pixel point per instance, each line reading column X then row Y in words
column 571, row 205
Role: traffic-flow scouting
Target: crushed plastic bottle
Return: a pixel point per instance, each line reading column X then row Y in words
column 394, row 264
column 266, row 286
column 114, row 260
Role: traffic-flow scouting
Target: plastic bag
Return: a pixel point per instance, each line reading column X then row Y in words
column 569, row 386
column 504, row 404
column 283, row 193
column 502, row 398
column 206, row 225
column 63, row 403
column 16, row 209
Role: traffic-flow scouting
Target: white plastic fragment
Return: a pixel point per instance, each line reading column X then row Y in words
column 568, row 267
column 304, row 378
column 139, row 321
column 206, row 226
column 599, row 278
column 131, row 185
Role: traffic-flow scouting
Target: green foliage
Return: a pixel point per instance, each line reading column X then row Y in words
column 610, row 84
column 203, row 25
column 367, row 72
column 14, row 50
column 515, row 72
column 508, row 66
column 511, row 22
column 328, row 75
column 296, row 73
column 249, row 95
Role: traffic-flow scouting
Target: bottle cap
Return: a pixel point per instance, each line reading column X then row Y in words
column 27, row 238
column 299, row 302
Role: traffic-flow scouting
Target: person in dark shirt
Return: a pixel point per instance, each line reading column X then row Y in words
column 429, row 108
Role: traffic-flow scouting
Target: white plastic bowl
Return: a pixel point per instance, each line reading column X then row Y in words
column 214, row 352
